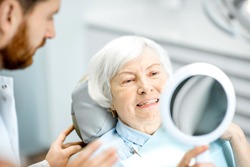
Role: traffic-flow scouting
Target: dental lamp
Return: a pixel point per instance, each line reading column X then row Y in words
column 231, row 16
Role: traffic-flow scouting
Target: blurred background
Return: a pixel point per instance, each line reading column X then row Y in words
column 190, row 31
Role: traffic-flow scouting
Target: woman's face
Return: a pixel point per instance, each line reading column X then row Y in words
column 136, row 90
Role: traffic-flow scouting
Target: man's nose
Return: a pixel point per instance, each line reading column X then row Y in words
column 50, row 32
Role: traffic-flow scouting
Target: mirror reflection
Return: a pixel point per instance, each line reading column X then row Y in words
column 198, row 105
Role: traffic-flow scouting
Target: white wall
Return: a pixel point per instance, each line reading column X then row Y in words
column 65, row 64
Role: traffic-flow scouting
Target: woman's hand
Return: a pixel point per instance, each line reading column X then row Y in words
column 186, row 160
column 60, row 153
column 239, row 143
column 85, row 159
column 232, row 131
column 5, row 163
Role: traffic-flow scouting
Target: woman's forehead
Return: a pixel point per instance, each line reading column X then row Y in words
column 143, row 62
column 148, row 56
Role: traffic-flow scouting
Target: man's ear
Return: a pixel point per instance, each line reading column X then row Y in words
column 11, row 16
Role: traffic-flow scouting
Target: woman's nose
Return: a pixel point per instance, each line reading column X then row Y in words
column 144, row 87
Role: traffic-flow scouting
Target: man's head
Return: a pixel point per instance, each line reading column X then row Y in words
column 24, row 27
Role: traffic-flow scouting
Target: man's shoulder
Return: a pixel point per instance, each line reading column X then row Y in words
column 2, row 77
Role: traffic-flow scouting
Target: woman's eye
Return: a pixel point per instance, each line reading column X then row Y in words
column 154, row 73
column 127, row 81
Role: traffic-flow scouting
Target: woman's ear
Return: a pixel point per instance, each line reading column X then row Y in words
column 112, row 107
column 113, row 111
column 11, row 16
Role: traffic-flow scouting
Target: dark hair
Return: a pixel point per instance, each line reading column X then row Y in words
column 28, row 5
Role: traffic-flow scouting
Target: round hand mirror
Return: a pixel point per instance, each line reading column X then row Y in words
column 197, row 105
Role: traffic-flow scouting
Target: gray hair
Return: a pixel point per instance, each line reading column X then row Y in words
column 106, row 63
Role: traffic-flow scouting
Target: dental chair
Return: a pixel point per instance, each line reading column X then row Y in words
column 90, row 120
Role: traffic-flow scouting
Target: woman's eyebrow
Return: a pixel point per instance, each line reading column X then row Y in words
column 132, row 72
column 125, row 72
column 152, row 65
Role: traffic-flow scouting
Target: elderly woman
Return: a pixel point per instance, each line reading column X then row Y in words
column 127, row 76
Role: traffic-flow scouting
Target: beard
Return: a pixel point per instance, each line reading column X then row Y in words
column 18, row 54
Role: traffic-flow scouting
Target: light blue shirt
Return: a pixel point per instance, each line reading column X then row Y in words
column 159, row 147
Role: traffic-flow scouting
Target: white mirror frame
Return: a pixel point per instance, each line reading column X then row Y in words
column 177, row 78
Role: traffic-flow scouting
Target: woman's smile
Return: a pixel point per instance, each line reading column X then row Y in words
column 148, row 103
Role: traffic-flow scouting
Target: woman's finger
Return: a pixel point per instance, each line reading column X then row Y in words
column 204, row 165
column 192, row 154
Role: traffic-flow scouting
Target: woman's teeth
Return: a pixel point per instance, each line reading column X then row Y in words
column 148, row 102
